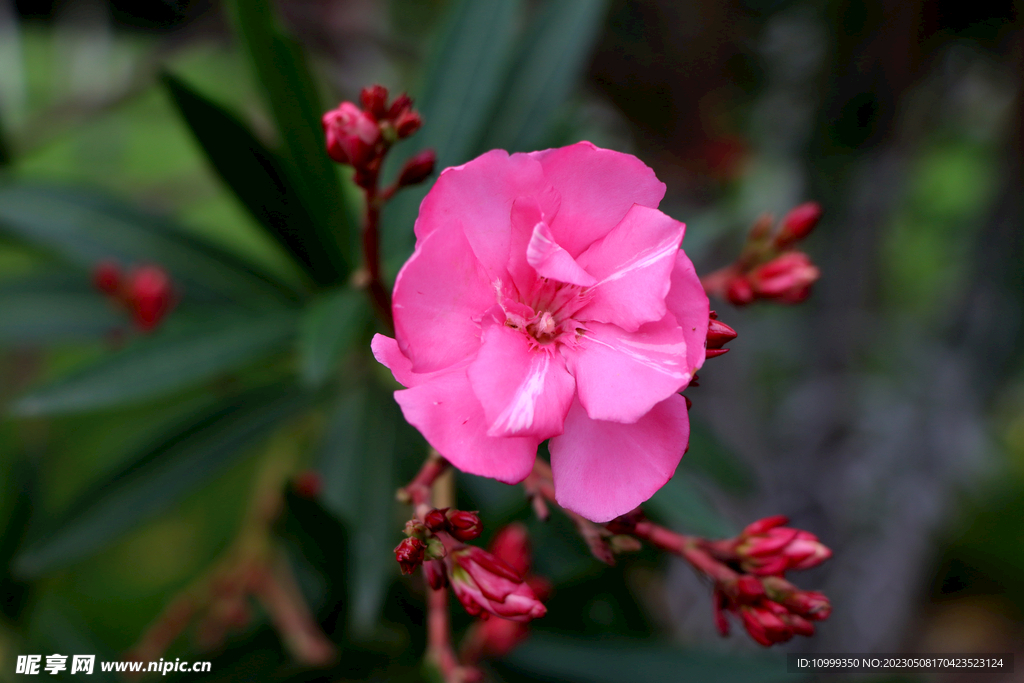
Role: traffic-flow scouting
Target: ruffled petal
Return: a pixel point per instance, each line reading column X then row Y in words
column 633, row 265
column 440, row 297
column 450, row 417
column 553, row 262
column 621, row 375
column 524, row 391
column 688, row 303
column 597, row 188
column 476, row 198
column 605, row 469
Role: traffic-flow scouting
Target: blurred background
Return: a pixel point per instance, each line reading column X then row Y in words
column 247, row 432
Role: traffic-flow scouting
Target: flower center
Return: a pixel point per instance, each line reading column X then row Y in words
column 547, row 315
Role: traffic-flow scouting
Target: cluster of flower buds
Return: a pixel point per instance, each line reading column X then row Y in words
column 361, row 136
column 769, row 267
column 772, row 609
column 146, row 292
column 483, row 583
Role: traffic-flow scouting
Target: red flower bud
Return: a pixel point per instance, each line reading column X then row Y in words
column 434, row 571
column 719, row 334
column 407, row 123
column 786, row 278
column 375, row 101
column 352, row 135
column 739, row 291
column 418, row 168
column 764, row 626
column 308, row 484
column 149, row 296
column 402, row 104
column 483, row 583
column 464, row 525
column 410, row 553
column 763, row 525
column 106, row 277
column 808, row 604
column 512, row 545
column 436, row 520
column 797, row 224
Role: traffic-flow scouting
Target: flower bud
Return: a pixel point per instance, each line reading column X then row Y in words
column 401, row 105
column 464, row 525
column 106, row 277
column 512, row 545
column 764, row 626
column 375, row 101
column 308, row 484
column 808, row 604
column 786, row 278
column 483, row 583
column 436, row 520
column 352, row 134
column 763, row 525
column 410, row 553
column 434, row 571
column 739, row 291
column 719, row 334
column 797, row 224
column 149, row 296
column 418, row 168
column 407, row 123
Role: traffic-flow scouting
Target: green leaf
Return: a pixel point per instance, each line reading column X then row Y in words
column 280, row 68
column 5, row 152
column 255, row 175
column 368, row 436
column 87, row 228
column 616, row 660
column 681, row 504
column 158, row 475
column 45, row 317
column 458, row 96
column 329, row 327
column 171, row 360
column 550, row 61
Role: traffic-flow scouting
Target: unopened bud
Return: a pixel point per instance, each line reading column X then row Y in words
column 407, row 123
column 739, row 291
column 464, row 525
column 149, row 295
column 512, row 545
column 435, row 574
column 106, row 277
column 763, row 525
column 418, row 168
column 352, row 135
column 786, row 278
column 797, row 224
column 401, row 105
column 375, row 100
column 719, row 334
column 436, row 520
column 410, row 553
column 483, row 583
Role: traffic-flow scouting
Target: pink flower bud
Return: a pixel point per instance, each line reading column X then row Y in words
column 763, row 525
column 512, row 545
column 483, row 583
column 797, row 224
column 375, row 101
column 739, row 291
column 464, row 525
column 806, row 551
column 786, row 278
column 410, row 553
column 352, row 135
column 106, row 277
column 764, row 626
column 418, row 168
column 808, row 604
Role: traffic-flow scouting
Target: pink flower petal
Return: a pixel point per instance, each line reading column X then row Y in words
column 440, row 296
column 476, row 198
column 447, row 413
column 632, row 264
column 597, row 188
column 524, row 389
column 605, row 469
column 621, row 375
column 553, row 262
column 688, row 303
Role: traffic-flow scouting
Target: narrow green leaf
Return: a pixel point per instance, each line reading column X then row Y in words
column 281, row 69
column 368, row 437
column 5, row 152
column 616, row 660
column 46, row 317
column 255, row 175
column 329, row 326
column 544, row 74
column 458, row 95
column 682, row 505
column 158, row 475
column 87, row 228
column 172, row 360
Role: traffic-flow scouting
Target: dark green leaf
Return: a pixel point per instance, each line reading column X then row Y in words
column 549, row 62
column 255, row 175
column 171, row 360
column 329, row 326
column 368, row 437
column 5, row 152
column 33, row 318
column 459, row 94
column 613, row 661
column 681, row 504
column 158, row 475
column 281, row 69
column 87, row 228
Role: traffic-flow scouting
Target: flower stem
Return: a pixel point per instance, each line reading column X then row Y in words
column 418, row 491
column 371, row 254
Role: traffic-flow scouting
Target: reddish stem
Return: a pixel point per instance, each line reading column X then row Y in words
column 688, row 547
column 417, row 491
column 371, row 253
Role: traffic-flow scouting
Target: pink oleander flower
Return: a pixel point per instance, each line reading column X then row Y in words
column 547, row 298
